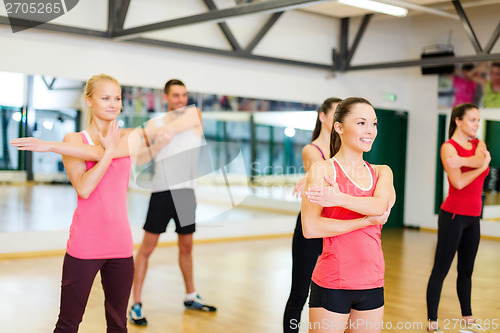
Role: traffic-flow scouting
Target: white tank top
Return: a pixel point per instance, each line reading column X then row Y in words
column 176, row 164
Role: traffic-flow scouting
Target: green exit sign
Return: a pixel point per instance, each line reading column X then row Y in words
column 389, row 97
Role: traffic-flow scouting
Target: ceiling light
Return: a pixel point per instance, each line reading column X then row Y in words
column 16, row 116
column 48, row 125
column 376, row 7
column 290, row 132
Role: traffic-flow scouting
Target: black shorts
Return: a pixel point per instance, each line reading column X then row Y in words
column 342, row 301
column 162, row 209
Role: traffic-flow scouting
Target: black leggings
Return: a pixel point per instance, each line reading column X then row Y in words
column 305, row 253
column 455, row 233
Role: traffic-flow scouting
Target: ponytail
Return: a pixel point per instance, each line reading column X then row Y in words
column 324, row 108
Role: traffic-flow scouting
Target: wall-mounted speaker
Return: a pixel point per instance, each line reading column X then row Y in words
column 438, row 69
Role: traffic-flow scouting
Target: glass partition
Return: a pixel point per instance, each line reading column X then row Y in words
column 10, row 127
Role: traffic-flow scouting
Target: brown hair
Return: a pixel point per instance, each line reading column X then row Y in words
column 458, row 112
column 343, row 109
column 173, row 82
column 324, row 108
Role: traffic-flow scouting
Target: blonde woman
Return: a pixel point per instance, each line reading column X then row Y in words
column 97, row 161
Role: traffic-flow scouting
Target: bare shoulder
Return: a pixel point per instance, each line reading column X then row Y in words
column 382, row 170
column 481, row 144
column 73, row 137
column 320, row 169
column 312, row 153
column 309, row 148
column 447, row 148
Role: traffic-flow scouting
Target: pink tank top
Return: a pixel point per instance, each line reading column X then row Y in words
column 351, row 261
column 100, row 228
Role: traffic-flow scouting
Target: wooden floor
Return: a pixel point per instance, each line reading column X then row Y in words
column 249, row 282
column 492, row 198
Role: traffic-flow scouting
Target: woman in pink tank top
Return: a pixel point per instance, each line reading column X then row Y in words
column 98, row 165
column 347, row 282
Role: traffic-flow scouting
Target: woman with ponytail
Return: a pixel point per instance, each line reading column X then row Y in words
column 346, row 203
column 465, row 160
column 305, row 252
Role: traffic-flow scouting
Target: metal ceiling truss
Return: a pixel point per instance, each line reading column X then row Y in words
column 467, row 26
column 232, row 54
column 118, row 9
column 342, row 62
column 224, row 28
column 50, row 86
column 218, row 15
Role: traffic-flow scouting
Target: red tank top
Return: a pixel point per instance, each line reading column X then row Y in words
column 351, row 261
column 466, row 201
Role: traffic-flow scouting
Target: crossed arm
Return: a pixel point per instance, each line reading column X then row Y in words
column 330, row 195
column 85, row 181
column 460, row 179
column 454, row 161
column 316, row 226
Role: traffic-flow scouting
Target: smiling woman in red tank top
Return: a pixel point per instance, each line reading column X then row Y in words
column 347, row 287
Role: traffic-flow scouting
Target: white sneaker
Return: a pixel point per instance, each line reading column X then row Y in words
column 436, row 330
column 473, row 328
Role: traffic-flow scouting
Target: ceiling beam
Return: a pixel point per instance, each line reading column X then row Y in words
column 493, row 39
column 467, row 26
column 4, row 20
column 219, row 15
column 427, row 62
column 49, row 85
column 224, row 27
column 122, row 14
column 361, row 32
column 111, row 17
column 233, row 54
column 341, row 65
column 265, row 29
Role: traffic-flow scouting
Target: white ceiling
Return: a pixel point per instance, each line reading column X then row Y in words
column 335, row 9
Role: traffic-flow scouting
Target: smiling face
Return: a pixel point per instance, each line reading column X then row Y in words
column 176, row 97
column 105, row 101
column 469, row 124
column 358, row 129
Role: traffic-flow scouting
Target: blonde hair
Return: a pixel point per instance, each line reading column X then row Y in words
column 89, row 90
